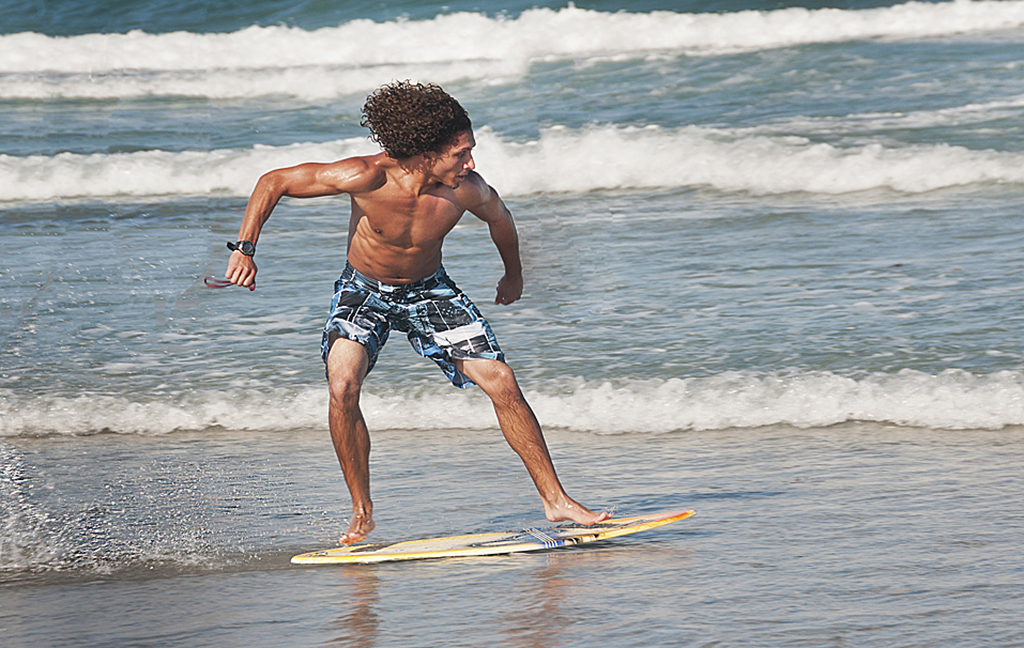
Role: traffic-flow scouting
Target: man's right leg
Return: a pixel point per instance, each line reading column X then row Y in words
column 347, row 364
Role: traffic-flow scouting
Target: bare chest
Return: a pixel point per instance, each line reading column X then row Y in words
column 405, row 223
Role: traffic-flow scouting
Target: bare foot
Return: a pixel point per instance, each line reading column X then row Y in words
column 573, row 511
column 358, row 529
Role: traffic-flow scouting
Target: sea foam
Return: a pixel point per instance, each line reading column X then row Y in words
column 561, row 160
column 953, row 399
column 361, row 54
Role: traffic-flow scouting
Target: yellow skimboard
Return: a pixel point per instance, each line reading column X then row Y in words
column 489, row 544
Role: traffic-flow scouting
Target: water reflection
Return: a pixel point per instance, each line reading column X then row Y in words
column 536, row 615
column 359, row 627
column 524, row 601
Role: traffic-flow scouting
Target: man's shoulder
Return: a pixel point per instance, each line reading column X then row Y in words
column 473, row 190
column 360, row 173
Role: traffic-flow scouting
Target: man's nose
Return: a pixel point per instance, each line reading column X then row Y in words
column 471, row 163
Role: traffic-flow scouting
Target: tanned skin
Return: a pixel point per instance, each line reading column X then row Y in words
column 401, row 212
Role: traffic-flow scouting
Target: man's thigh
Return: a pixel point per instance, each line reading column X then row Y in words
column 359, row 317
column 347, row 361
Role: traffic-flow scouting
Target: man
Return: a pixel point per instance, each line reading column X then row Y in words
column 405, row 200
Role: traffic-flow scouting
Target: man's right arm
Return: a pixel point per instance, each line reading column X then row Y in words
column 309, row 180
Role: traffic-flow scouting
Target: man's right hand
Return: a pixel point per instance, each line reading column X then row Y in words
column 241, row 270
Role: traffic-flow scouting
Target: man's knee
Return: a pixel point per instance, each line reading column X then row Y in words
column 495, row 377
column 347, row 363
column 344, row 391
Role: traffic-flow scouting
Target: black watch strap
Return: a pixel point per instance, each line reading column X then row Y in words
column 248, row 248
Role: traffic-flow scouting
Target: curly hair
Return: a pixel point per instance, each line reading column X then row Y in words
column 407, row 119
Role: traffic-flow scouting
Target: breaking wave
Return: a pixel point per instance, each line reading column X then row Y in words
column 561, row 160
column 953, row 399
column 359, row 55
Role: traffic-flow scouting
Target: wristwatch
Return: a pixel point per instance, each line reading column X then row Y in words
column 248, row 248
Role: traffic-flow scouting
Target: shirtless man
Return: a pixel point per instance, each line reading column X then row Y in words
column 405, row 200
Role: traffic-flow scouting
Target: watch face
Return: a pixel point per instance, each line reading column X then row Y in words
column 248, row 248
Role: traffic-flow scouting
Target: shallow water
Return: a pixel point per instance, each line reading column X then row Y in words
column 859, row 533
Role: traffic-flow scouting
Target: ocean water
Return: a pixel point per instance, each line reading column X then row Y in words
column 772, row 256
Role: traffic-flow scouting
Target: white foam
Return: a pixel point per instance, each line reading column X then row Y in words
column 97, row 413
column 953, row 399
column 158, row 173
column 610, row 157
column 562, row 160
column 361, row 54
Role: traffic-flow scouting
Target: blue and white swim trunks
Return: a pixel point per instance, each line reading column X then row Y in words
column 441, row 322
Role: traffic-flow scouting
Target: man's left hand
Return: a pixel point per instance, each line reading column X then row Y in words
column 510, row 289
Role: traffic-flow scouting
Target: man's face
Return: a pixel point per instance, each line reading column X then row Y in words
column 453, row 165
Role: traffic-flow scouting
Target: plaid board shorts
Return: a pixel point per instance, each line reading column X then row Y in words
column 440, row 321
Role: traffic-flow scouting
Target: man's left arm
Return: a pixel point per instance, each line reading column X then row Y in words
column 487, row 205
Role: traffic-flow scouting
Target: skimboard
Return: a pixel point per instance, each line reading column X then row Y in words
column 489, row 544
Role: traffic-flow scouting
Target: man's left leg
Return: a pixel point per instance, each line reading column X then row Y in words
column 523, row 433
